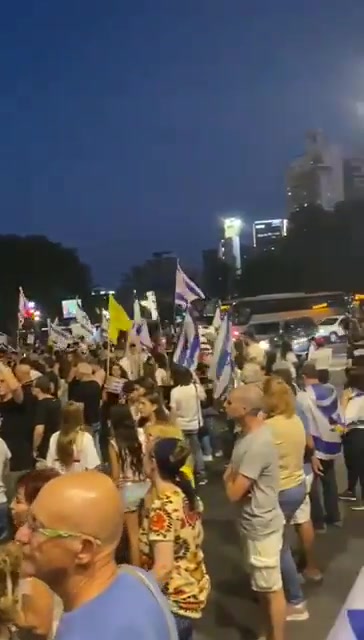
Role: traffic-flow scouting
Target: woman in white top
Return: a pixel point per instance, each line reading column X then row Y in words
column 186, row 398
column 72, row 448
column 162, row 374
column 286, row 358
column 321, row 356
column 127, row 471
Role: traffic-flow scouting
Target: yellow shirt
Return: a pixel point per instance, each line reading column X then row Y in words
column 169, row 519
column 290, row 439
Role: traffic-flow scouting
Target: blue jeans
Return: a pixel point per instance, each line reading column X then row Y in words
column 184, row 627
column 4, row 521
column 95, row 432
column 196, row 452
column 209, row 438
column 133, row 493
column 289, row 501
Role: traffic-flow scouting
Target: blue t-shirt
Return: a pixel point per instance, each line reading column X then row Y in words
column 127, row 610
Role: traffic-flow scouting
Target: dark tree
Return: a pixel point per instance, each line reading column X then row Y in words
column 47, row 271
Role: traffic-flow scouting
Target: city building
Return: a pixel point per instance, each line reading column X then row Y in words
column 267, row 233
column 229, row 246
column 354, row 179
column 317, row 177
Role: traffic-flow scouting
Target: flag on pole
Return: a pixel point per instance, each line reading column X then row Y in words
column 188, row 346
column 216, row 323
column 186, row 289
column 222, row 363
column 85, row 327
column 118, row 320
column 23, row 307
column 139, row 331
column 57, row 336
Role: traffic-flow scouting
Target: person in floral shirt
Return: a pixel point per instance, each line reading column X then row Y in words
column 171, row 534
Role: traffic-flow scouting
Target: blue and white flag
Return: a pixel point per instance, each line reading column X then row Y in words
column 139, row 331
column 188, row 346
column 186, row 290
column 321, row 405
column 83, row 326
column 58, row 336
column 222, row 363
column 350, row 622
column 217, row 320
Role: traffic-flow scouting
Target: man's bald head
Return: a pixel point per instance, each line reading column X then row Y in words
column 23, row 373
column 245, row 399
column 84, row 503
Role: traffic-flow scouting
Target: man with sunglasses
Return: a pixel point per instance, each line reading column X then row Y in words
column 69, row 542
column 252, row 481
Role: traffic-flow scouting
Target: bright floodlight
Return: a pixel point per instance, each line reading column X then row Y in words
column 232, row 227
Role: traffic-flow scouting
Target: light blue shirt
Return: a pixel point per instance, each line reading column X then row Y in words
column 127, row 610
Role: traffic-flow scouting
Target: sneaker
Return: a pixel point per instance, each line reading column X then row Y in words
column 218, row 454
column 208, row 458
column 322, row 529
column 359, row 506
column 348, row 496
column 297, row 612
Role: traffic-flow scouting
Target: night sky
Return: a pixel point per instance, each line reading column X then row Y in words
column 130, row 126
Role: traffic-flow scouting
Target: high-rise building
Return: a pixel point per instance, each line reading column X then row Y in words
column 354, row 178
column 317, row 177
column 229, row 246
column 267, row 233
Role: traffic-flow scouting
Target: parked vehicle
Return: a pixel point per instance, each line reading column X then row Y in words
column 332, row 328
column 298, row 331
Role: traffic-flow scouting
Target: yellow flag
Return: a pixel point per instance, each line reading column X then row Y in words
column 119, row 320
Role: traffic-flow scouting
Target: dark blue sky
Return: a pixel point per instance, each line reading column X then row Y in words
column 129, row 126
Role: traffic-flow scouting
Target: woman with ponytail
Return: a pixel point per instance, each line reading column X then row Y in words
column 171, row 533
column 72, row 448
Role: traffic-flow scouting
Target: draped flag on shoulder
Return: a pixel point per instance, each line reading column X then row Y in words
column 118, row 320
column 57, row 336
column 23, row 307
column 186, row 289
column 188, row 346
column 139, row 331
column 222, row 363
column 322, row 407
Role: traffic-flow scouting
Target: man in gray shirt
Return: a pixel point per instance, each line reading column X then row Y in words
column 252, row 481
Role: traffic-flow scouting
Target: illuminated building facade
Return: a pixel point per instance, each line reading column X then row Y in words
column 267, row 233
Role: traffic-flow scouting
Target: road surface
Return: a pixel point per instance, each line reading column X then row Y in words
column 231, row 612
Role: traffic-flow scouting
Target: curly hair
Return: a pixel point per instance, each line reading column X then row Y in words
column 10, row 564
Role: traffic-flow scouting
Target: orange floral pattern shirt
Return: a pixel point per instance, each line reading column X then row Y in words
column 169, row 519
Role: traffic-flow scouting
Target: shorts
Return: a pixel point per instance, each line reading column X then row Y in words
column 303, row 513
column 133, row 493
column 262, row 561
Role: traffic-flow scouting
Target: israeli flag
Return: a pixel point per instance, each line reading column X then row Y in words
column 222, row 363
column 322, row 409
column 350, row 622
column 188, row 346
column 186, row 290
column 139, row 331
column 57, row 336
column 85, row 327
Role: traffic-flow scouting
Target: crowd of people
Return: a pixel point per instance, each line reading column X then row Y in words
column 101, row 464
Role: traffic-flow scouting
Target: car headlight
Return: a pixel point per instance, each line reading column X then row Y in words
column 264, row 344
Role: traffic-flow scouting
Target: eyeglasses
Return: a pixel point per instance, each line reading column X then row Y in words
column 51, row 533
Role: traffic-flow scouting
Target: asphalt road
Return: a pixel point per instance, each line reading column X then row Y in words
column 231, row 613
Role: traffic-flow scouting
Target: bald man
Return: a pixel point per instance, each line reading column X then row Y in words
column 252, row 481
column 69, row 542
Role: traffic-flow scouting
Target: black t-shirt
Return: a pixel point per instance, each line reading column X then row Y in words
column 53, row 378
column 49, row 414
column 17, row 431
column 89, row 393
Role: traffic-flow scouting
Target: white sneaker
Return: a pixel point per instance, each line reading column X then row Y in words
column 208, row 458
column 297, row 612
